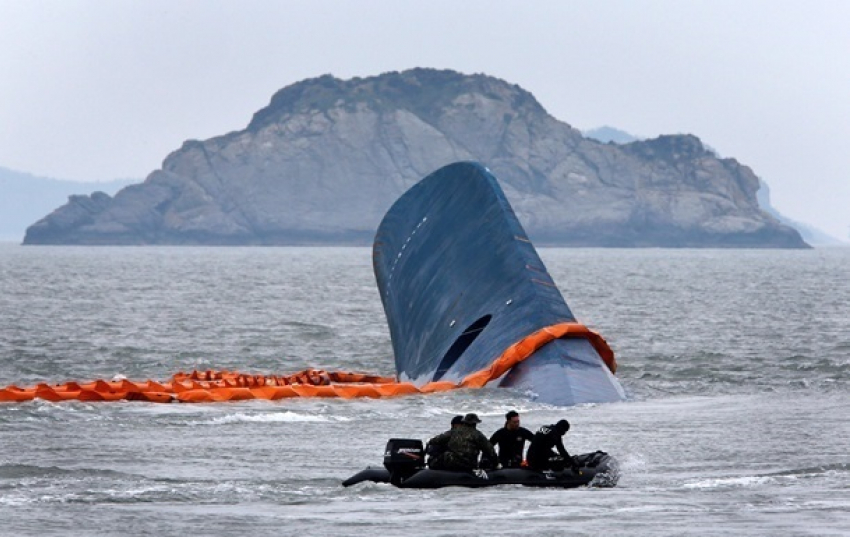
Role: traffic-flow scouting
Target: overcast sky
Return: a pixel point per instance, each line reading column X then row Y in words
column 96, row 90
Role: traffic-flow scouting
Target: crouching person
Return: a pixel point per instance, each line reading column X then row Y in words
column 541, row 453
column 437, row 446
column 460, row 447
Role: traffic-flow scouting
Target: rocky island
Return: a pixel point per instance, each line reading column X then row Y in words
column 326, row 158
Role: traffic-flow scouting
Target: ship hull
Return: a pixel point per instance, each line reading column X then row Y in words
column 461, row 282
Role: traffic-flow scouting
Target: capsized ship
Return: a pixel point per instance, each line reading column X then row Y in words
column 461, row 283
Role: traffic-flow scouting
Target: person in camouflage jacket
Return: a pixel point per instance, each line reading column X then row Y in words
column 460, row 447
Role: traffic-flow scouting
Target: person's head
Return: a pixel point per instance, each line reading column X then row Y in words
column 562, row 427
column 457, row 420
column 471, row 420
column 512, row 420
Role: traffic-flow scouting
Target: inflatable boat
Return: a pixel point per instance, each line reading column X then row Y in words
column 404, row 467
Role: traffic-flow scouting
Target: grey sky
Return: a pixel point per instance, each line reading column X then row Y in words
column 95, row 90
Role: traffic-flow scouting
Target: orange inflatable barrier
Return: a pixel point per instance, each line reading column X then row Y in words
column 217, row 386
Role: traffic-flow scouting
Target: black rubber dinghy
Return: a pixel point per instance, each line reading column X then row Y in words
column 404, row 468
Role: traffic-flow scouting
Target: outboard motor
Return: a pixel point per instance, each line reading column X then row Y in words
column 403, row 458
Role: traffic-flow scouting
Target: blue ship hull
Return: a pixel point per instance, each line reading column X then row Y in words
column 460, row 283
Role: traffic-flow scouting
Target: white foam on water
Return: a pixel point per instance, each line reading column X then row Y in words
column 744, row 481
column 16, row 501
column 632, row 462
column 275, row 417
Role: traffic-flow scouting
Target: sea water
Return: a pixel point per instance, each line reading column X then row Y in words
column 736, row 364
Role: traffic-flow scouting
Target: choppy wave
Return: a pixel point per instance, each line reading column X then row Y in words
column 25, row 471
column 838, row 471
column 277, row 417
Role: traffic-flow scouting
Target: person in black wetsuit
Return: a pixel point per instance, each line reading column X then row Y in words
column 541, row 455
column 510, row 440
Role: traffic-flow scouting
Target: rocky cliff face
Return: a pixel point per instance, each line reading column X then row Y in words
column 324, row 161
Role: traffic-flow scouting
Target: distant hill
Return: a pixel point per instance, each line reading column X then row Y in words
column 810, row 234
column 323, row 162
column 25, row 198
column 608, row 134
